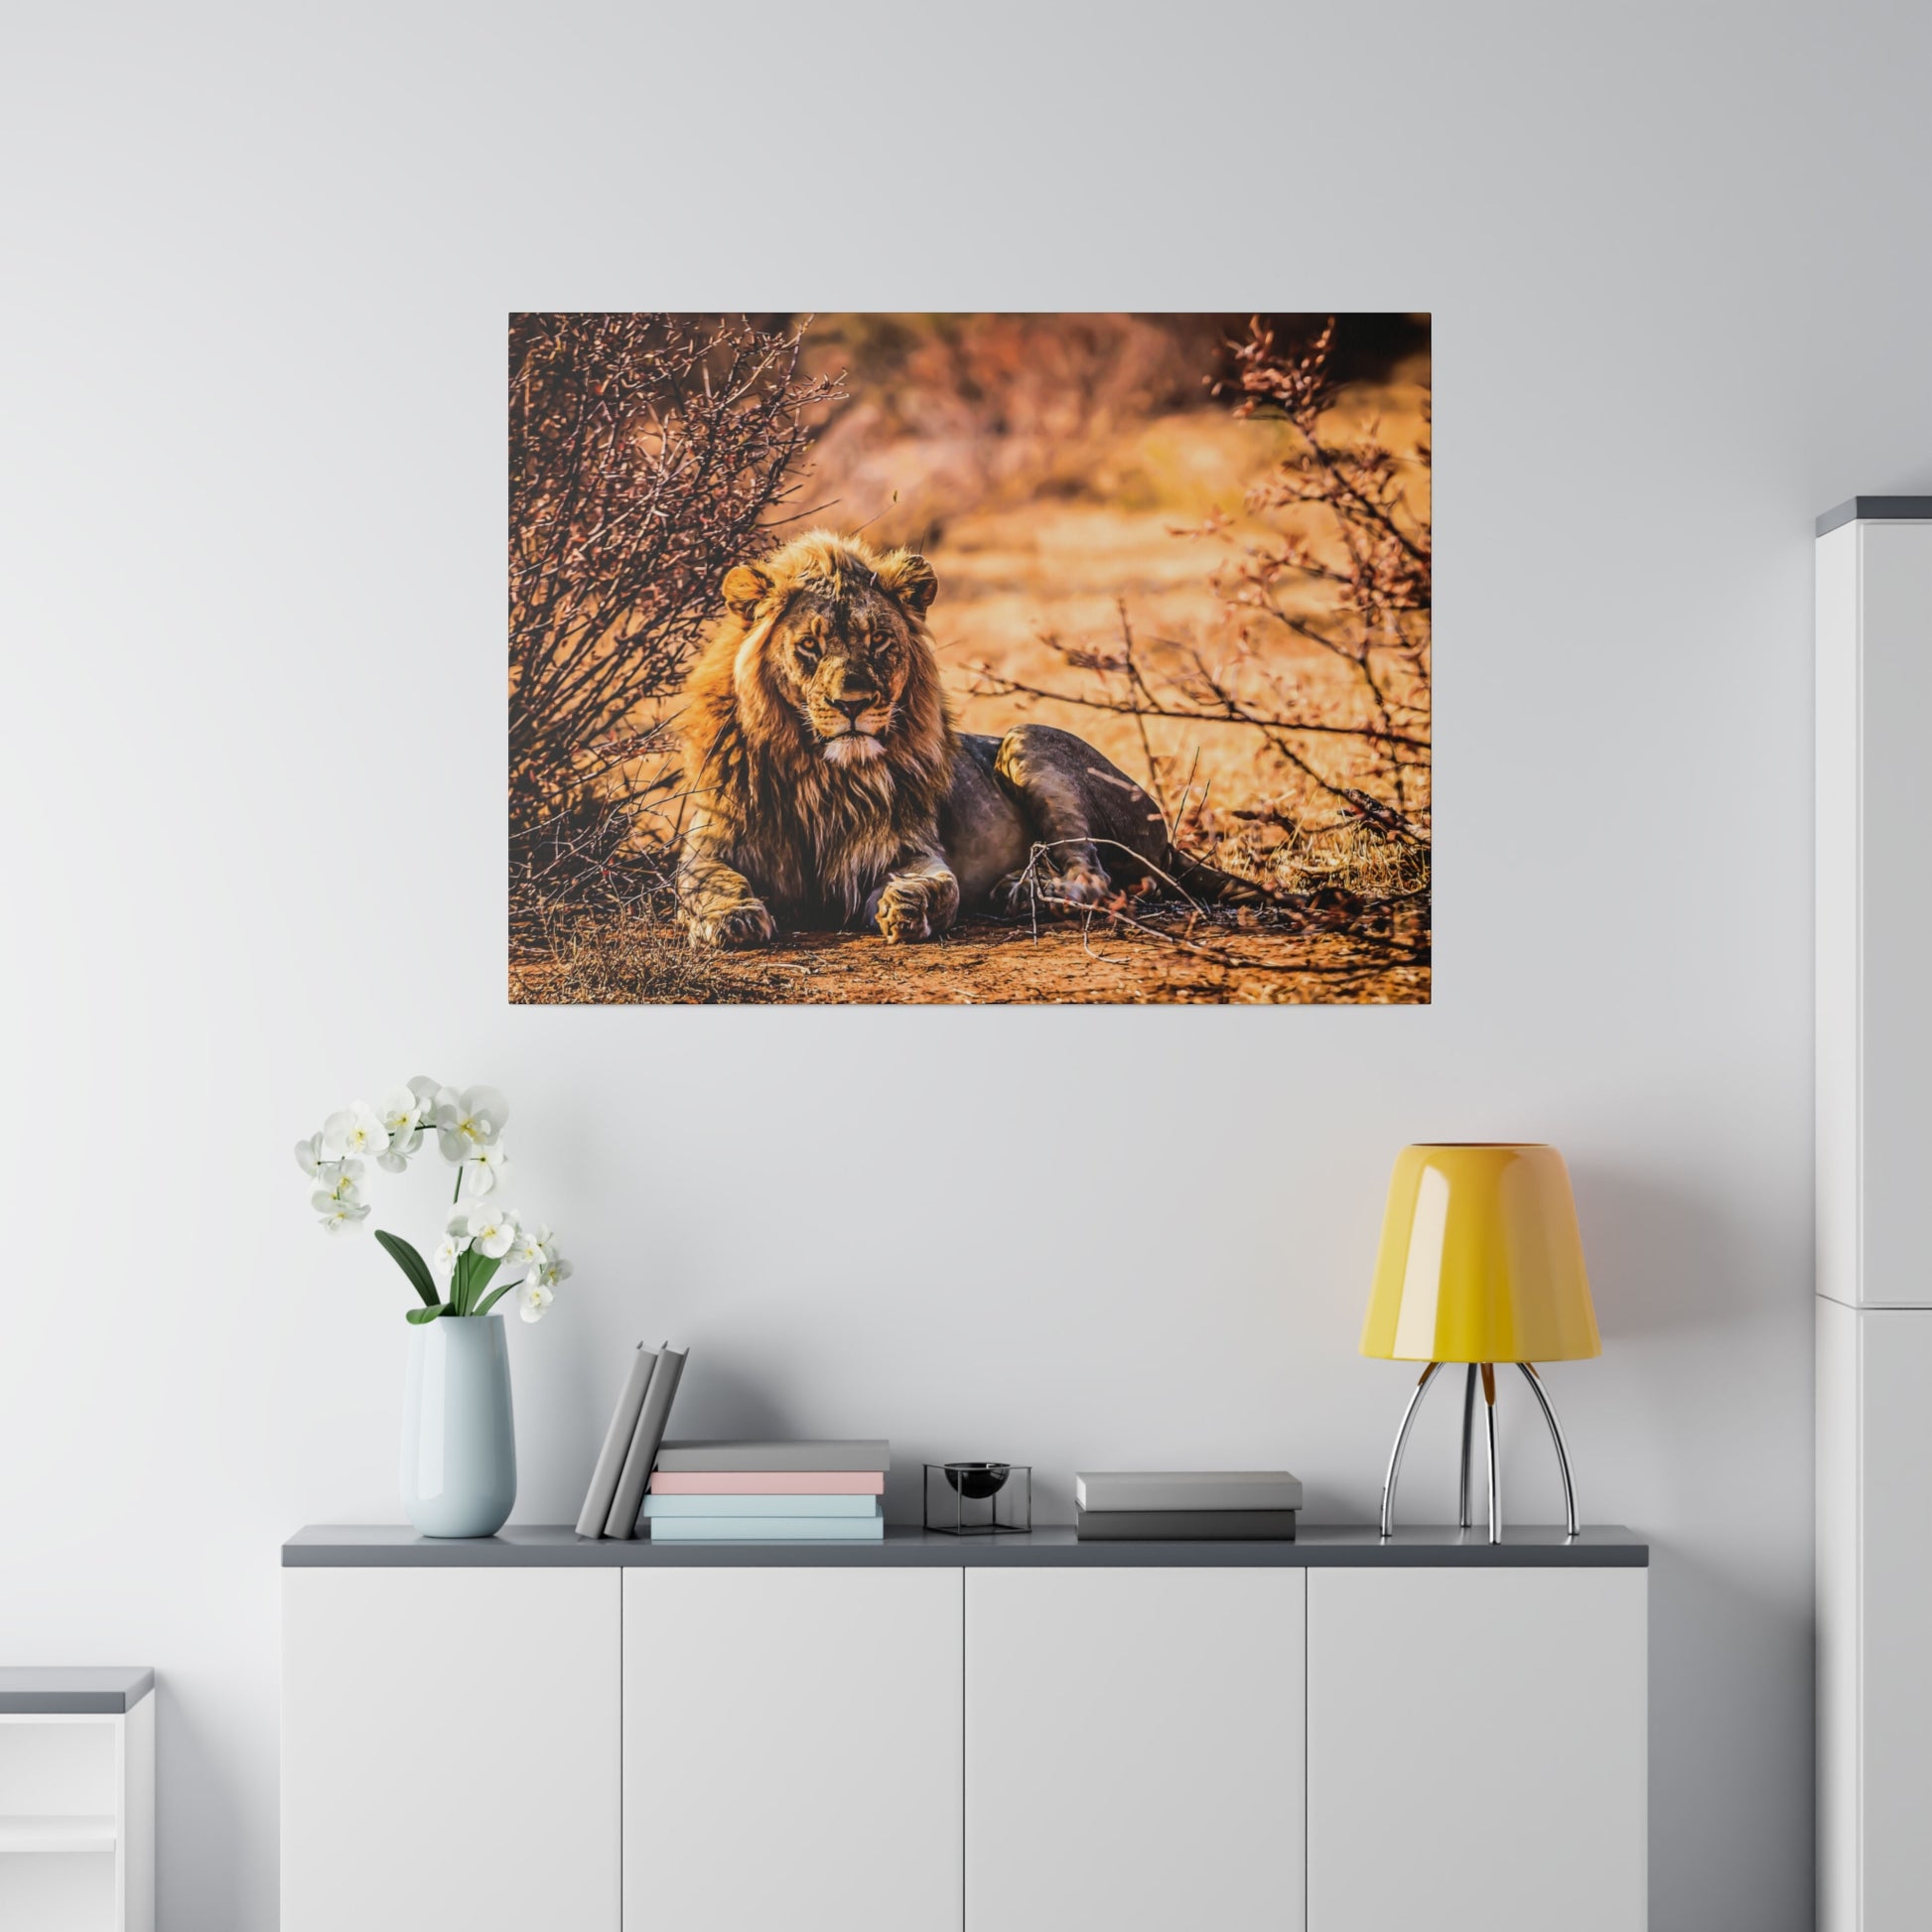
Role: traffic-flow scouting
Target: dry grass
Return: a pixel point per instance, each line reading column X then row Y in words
column 629, row 958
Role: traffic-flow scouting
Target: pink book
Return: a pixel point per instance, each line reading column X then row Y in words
column 769, row 1482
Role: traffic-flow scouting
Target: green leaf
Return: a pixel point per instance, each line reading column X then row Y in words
column 483, row 1267
column 420, row 1316
column 412, row 1265
column 494, row 1295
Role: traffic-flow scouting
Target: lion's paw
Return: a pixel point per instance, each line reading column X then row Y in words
column 910, row 910
column 1055, row 888
column 742, row 925
column 1076, row 883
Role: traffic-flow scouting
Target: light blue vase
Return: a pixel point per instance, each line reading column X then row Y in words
column 458, row 1440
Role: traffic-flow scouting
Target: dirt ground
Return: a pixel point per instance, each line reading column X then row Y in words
column 982, row 963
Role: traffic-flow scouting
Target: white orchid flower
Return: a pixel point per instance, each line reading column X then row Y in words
column 395, row 1158
column 488, row 1171
column 444, row 1260
column 491, row 1231
column 531, row 1300
column 400, row 1110
column 339, row 1180
column 341, row 1213
column 469, row 1121
column 357, row 1130
column 532, row 1247
column 309, row 1156
column 551, row 1271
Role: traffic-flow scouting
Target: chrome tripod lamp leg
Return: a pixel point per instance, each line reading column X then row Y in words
column 1463, row 1516
column 1495, row 1468
column 1555, row 1435
column 1401, row 1438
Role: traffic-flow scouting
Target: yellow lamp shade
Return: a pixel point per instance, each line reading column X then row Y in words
column 1480, row 1260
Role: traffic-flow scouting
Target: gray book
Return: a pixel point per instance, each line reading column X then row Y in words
column 644, row 1440
column 739, row 1458
column 617, row 1445
column 1185, row 1526
column 1190, row 1489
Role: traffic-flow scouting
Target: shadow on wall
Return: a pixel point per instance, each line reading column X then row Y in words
column 1661, row 1261
column 1699, row 1358
column 1730, row 1684
column 197, row 1811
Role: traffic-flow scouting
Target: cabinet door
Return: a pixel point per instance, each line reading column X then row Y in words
column 791, row 1750
column 1476, row 1743
column 1133, row 1750
column 450, row 1749
column 1893, row 1767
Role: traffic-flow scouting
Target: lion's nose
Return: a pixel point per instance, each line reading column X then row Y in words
column 851, row 706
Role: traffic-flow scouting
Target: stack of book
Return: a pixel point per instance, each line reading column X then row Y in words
column 778, row 1492
column 1227, row 1505
column 631, row 1444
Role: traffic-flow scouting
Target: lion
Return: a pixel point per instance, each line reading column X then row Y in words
column 833, row 790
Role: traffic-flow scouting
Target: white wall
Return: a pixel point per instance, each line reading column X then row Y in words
column 259, row 262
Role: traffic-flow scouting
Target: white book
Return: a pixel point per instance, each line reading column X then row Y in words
column 658, row 1507
column 1188, row 1489
column 768, row 1529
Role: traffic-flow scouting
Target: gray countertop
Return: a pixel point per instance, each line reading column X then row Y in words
column 1877, row 509
column 65, row 1689
column 1317, row 1546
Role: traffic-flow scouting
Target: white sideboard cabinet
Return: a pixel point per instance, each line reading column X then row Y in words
column 1873, row 590
column 941, row 1734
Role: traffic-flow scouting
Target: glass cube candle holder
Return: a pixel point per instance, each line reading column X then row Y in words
column 979, row 1499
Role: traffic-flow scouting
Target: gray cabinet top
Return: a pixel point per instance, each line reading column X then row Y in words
column 1317, row 1546
column 67, row 1690
column 1877, row 509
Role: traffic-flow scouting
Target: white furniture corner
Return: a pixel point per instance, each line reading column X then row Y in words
column 946, row 1735
column 1873, row 592
column 77, row 1800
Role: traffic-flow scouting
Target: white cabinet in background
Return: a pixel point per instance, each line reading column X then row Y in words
column 1133, row 1750
column 76, row 1801
column 451, row 1751
column 791, row 1750
column 1873, row 1158
column 1476, row 1750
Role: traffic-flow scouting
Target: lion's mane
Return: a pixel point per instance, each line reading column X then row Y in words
column 814, row 833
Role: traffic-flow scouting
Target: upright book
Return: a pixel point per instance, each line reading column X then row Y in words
column 603, row 1492
column 645, row 1442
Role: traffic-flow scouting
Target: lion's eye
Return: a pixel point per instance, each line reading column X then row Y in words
column 807, row 656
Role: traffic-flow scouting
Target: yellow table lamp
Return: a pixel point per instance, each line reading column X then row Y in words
column 1481, row 1262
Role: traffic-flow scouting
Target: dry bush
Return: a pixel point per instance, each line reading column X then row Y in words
column 649, row 454
column 1322, row 659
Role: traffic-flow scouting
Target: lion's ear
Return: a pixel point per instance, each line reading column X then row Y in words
column 746, row 587
column 909, row 577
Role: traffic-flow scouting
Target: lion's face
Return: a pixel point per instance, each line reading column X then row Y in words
column 835, row 648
